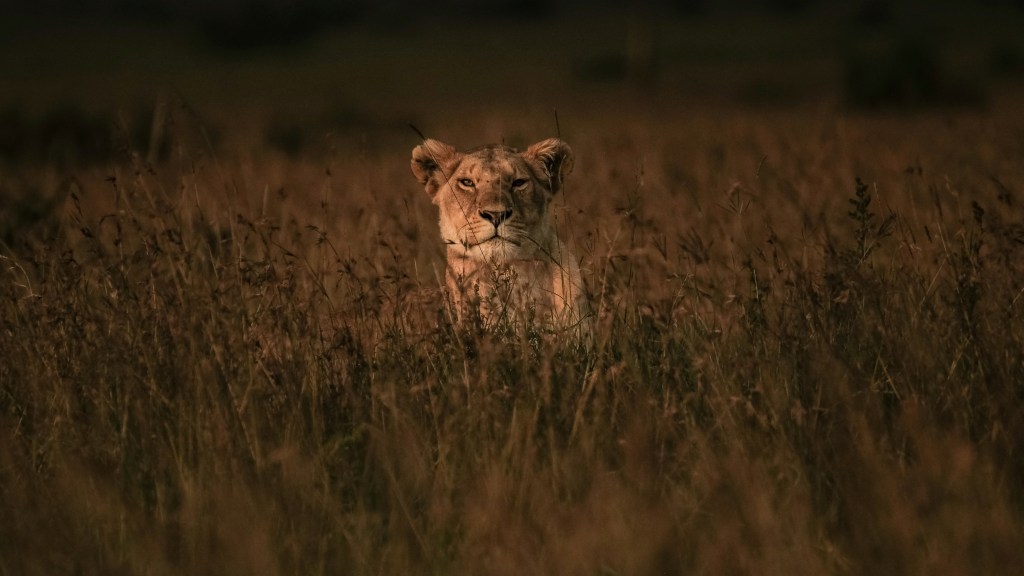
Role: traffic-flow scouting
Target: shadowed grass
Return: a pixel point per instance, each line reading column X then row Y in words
column 229, row 365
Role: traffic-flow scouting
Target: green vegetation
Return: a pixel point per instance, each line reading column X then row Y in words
column 220, row 354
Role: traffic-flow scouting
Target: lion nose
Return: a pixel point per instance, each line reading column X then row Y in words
column 496, row 217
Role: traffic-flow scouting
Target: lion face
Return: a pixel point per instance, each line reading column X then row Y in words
column 504, row 258
column 493, row 200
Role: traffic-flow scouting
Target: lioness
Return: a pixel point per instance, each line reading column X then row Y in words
column 503, row 253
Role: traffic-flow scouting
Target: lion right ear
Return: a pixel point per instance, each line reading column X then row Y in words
column 431, row 163
column 555, row 157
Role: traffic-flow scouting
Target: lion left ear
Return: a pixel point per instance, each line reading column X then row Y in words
column 555, row 156
column 431, row 162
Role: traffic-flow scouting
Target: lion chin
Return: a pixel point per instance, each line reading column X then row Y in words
column 495, row 250
column 505, row 258
column 496, row 242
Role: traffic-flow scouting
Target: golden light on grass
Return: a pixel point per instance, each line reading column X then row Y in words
column 232, row 357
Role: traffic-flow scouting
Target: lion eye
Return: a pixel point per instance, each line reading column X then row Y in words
column 466, row 183
column 519, row 183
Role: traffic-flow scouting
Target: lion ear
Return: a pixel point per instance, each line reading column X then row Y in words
column 431, row 162
column 555, row 156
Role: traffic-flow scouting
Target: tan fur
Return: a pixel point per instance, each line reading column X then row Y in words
column 504, row 255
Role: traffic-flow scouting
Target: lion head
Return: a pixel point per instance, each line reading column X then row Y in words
column 504, row 255
column 494, row 200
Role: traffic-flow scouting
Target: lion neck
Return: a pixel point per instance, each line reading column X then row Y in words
column 535, row 278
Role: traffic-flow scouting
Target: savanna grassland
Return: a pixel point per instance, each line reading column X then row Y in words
column 223, row 348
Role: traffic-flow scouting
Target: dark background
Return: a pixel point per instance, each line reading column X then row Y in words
column 277, row 73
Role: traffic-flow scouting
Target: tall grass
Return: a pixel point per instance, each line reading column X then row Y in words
column 807, row 359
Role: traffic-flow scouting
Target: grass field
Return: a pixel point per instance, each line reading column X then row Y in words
column 222, row 348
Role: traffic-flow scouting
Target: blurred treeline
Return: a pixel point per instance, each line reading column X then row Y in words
column 80, row 80
column 242, row 24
